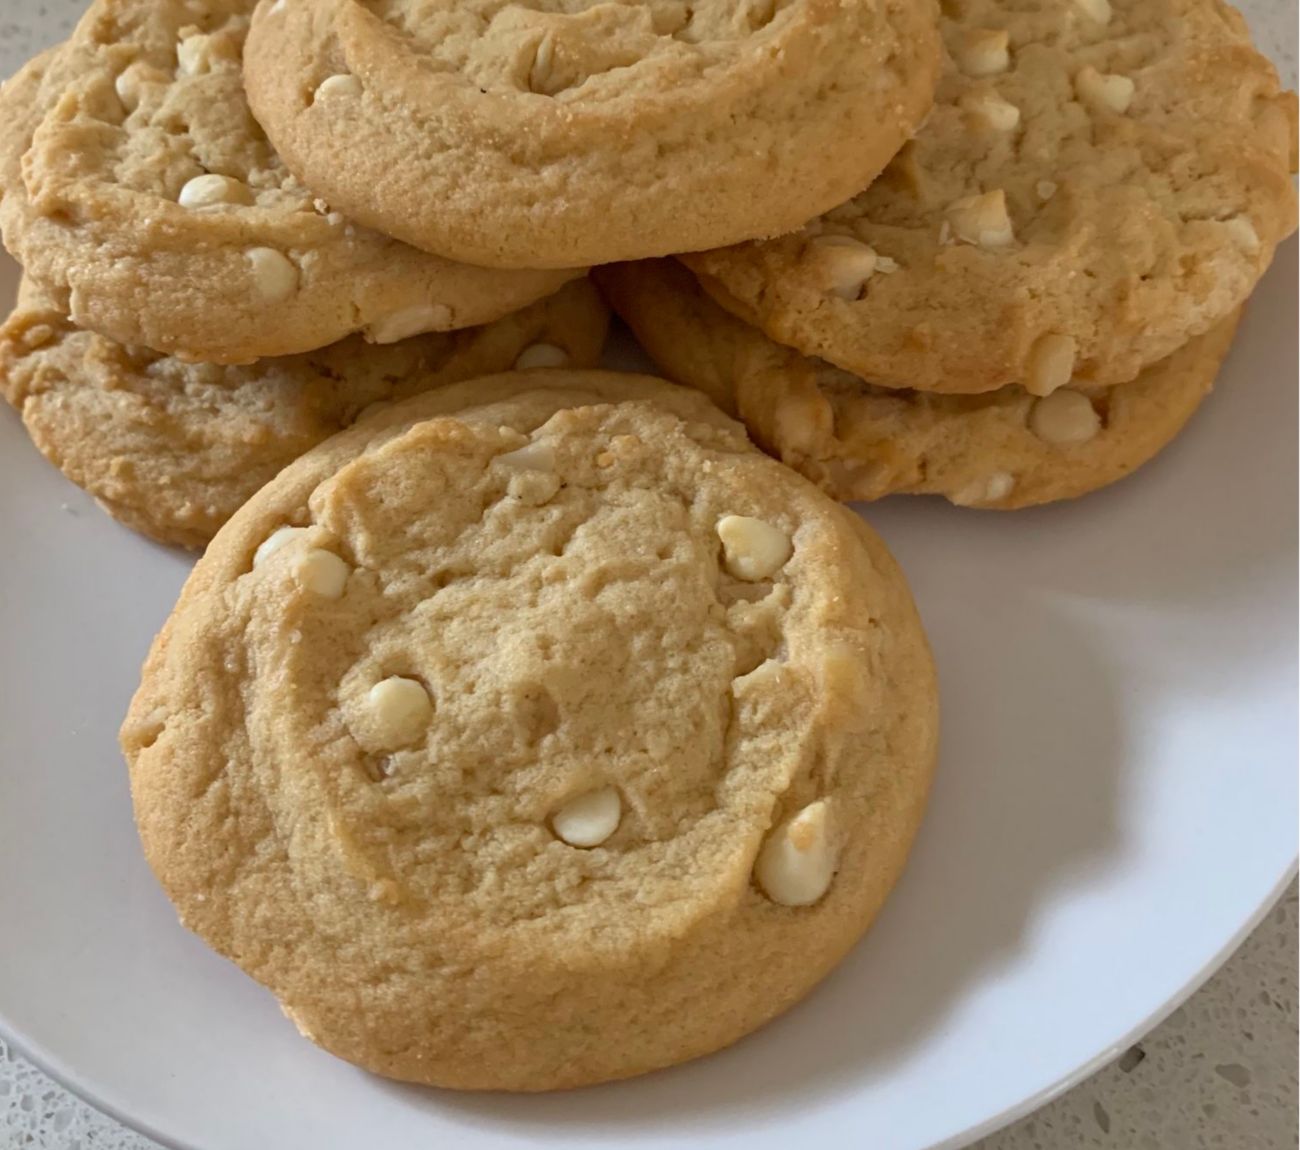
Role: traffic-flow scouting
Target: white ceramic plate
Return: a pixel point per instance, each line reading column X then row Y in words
column 1115, row 808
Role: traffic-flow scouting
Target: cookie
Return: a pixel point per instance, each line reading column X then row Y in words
column 20, row 108
column 541, row 133
column 538, row 732
column 141, row 193
column 173, row 449
column 1099, row 182
column 1003, row 449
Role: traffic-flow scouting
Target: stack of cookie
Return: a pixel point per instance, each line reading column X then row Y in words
column 1037, row 293
column 427, row 173
column 537, row 729
column 193, row 318
column 504, row 713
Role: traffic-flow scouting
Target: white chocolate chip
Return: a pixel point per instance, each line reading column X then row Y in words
column 797, row 862
column 993, row 110
column 991, row 489
column 345, row 85
column 128, row 91
column 1098, row 10
column 983, row 52
column 37, row 337
column 209, row 190
column 843, row 675
column 277, row 539
column 590, row 819
column 885, row 265
column 999, row 486
column 1064, row 417
column 530, row 457
column 189, row 56
column 408, row 322
column 194, row 53
column 753, row 549
column 769, row 673
column 842, row 264
column 296, row 1019
column 982, row 220
column 1051, row 363
column 322, row 573
column 1243, row 234
column 130, row 81
column 1104, row 89
column 803, row 420
column 539, row 74
column 401, row 709
column 541, row 355
column 1046, row 189
column 274, row 275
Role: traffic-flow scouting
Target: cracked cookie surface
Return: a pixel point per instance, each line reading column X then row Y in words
column 141, row 193
column 538, row 731
column 539, row 133
column 173, row 449
column 1099, row 181
column 1002, row 449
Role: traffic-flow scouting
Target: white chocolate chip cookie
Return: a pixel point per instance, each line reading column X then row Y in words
column 545, row 795
column 172, row 449
column 1003, row 449
column 142, row 195
column 1099, row 182
column 542, row 133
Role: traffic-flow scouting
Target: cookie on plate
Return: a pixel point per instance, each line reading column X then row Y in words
column 1099, row 182
column 542, row 133
column 539, row 731
column 1002, row 449
column 141, row 193
column 173, row 449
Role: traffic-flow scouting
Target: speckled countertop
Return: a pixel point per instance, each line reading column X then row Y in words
column 1220, row 1073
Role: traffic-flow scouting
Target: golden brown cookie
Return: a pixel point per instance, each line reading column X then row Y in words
column 1099, row 182
column 538, row 732
column 141, row 193
column 20, row 108
column 173, row 449
column 1003, row 449
column 543, row 133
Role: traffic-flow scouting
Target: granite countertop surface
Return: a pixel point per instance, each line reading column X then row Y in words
column 1220, row 1073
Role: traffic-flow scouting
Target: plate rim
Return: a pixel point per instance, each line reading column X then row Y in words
column 50, row 1067
column 68, row 1077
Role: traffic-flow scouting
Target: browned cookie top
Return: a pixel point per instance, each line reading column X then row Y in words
column 540, row 133
column 1099, row 181
column 141, row 193
column 536, row 732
